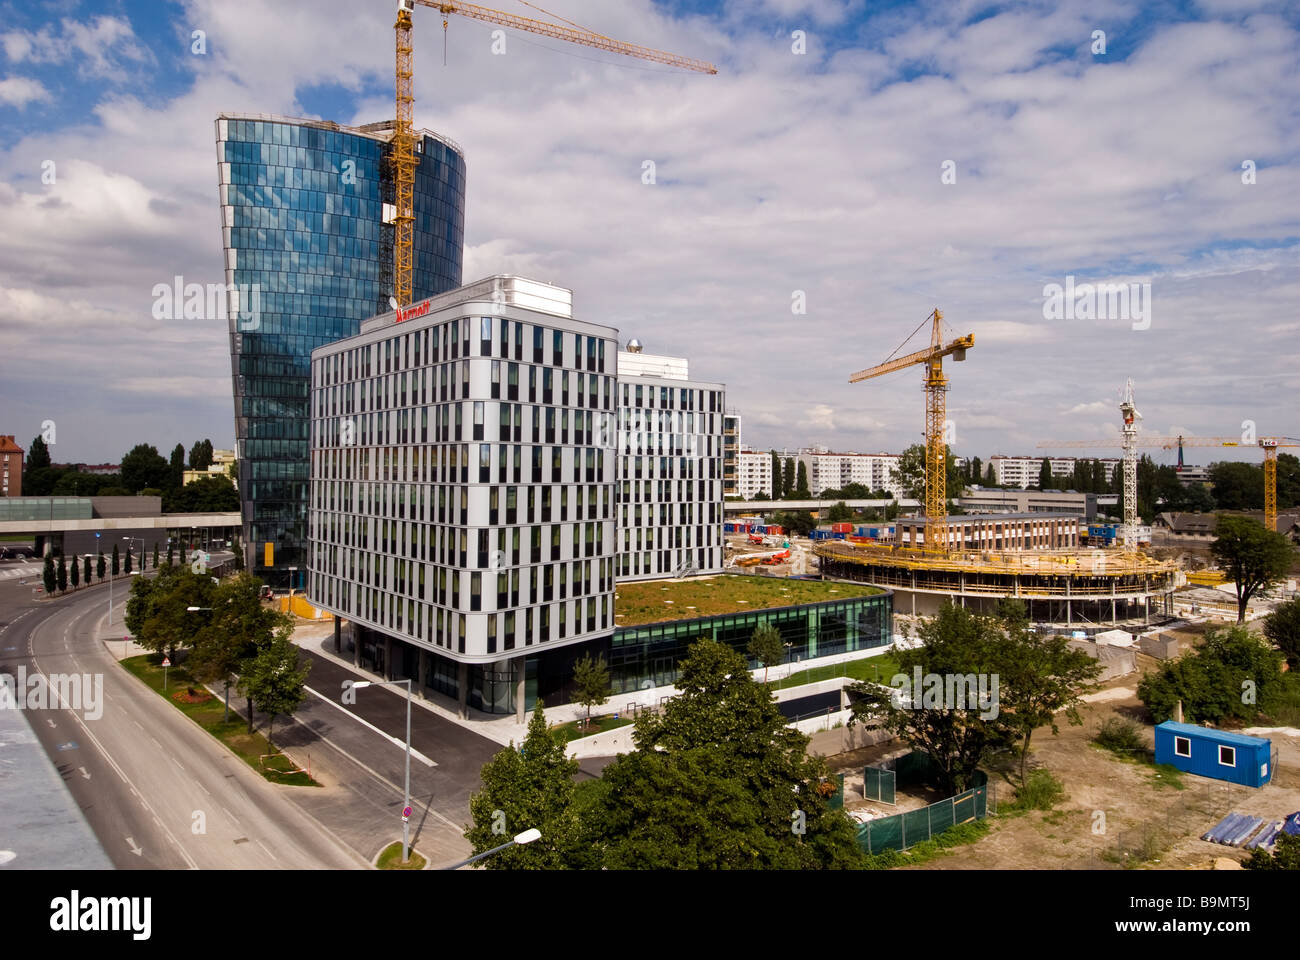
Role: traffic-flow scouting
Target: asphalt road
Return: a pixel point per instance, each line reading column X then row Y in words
column 158, row 791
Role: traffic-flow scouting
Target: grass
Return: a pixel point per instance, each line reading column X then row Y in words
column 1168, row 776
column 1124, row 738
column 644, row 602
column 208, row 714
column 575, row 729
column 1041, row 791
column 390, row 858
column 879, row 668
column 955, row 836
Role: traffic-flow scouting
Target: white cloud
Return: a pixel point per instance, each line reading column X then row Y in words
column 20, row 91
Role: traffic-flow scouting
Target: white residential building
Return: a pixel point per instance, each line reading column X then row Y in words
column 753, row 473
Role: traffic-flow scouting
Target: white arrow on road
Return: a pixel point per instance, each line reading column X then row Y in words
column 138, row 851
column 50, row 722
column 84, row 772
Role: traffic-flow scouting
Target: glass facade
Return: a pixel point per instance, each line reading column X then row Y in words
column 647, row 656
column 307, row 246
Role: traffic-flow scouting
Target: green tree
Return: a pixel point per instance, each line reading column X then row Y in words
column 1254, row 558
column 839, row 512
column 1044, row 678
column 990, row 478
column 214, row 494
column 48, row 579
column 117, row 562
column 62, row 574
column 100, row 566
column 74, row 574
column 591, row 682
column 157, row 608
column 766, row 646
column 86, row 570
column 155, row 555
column 801, row 490
column 144, row 467
column 911, row 473
column 171, row 552
column 1237, row 486
column 233, row 631
column 1282, row 626
column 1234, row 674
column 126, row 565
column 176, row 468
column 718, row 780
column 38, row 457
column 201, row 455
column 274, row 679
column 956, row 644
column 523, row 789
column 787, row 479
column 1285, row 855
column 1045, row 475
column 776, row 476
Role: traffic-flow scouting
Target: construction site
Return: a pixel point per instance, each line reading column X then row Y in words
column 975, row 560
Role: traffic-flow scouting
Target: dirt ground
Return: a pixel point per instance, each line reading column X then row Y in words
column 1115, row 813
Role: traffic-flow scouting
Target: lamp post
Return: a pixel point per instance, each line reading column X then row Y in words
column 133, row 573
column 528, row 836
column 406, row 826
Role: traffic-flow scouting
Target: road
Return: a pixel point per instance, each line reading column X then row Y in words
column 158, row 791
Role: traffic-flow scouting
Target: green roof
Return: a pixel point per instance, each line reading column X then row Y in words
column 657, row 601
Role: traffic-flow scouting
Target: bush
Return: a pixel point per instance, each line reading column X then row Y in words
column 1041, row 791
column 1121, row 736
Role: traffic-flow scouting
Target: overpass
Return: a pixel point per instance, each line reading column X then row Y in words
column 757, row 506
column 77, row 525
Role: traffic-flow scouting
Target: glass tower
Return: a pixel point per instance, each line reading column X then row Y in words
column 306, row 216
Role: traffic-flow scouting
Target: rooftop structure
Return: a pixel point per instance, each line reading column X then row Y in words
column 659, row 601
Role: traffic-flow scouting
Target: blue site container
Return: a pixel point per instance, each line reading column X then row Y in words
column 1217, row 754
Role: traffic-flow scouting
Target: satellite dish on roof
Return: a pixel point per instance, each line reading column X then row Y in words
column 634, row 346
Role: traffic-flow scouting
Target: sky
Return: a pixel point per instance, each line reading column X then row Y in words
column 852, row 166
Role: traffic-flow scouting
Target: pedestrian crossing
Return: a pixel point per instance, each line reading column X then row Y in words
column 10, row 571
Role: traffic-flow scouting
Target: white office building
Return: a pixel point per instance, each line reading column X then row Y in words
column 670, row 476
column 753, row 473
column 834, row 471
column 463, row 503
column 1023, row 471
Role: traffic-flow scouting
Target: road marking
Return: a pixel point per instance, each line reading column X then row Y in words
column 268, row 851
column 138, row 851
column 366, row 723
column 231, row 816
column 84, row 772
column 178, row 763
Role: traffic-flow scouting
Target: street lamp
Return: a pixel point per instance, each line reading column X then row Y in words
column 406, row 825
column 528, row 836
column 133, row 573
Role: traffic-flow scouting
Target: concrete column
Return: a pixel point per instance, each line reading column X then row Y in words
column 518, row 666
column 338, row 635
column 462, row 687
column 356, row 647
column 424, row 672
column 1069, row 616
column 388, row 658
column 1112, row 610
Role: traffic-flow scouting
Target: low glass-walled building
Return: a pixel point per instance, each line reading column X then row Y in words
column 647, row 656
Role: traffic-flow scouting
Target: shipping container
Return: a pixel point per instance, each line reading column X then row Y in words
column 1218, row 754
column 841, row 528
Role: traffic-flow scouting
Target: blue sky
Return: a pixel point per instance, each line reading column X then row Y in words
column 820, row 173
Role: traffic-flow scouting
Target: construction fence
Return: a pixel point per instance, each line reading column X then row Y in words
column 906, row 829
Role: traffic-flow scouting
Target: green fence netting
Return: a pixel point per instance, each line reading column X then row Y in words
column 904, row 830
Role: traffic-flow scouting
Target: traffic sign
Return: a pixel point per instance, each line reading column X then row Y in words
column 406, row 814
column 167, row 661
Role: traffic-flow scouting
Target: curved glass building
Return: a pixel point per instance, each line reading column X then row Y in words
column 306, row 217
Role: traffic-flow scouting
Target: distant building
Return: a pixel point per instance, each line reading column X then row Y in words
column 1181, row 527
column 1023, row 471
column 834, row 471
column 731, row 447
column 1010, row 531
column 220, row 467
column 753, row 473
column 11, row 467
column 985, row 500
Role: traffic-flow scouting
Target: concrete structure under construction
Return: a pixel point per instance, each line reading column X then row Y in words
column 997, row 531
column 1057, row 586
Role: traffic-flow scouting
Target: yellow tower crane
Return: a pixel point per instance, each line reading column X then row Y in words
column 403, row 144
column 936, row 391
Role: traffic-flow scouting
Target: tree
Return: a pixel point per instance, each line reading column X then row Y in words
column 766, row 646
column 171, row 552
column 528, row 788
column 235, row 629
column 48, row 579
column 239, row 552
column 1282, row 626
column 38, row 457
column 910, row 473
column 201, row 455
column 990, row 478
column 155, row 555
column 274, row 679
column 1234, row 674
column 591, row 679
column 74, row 574
column 1253, row 557
column 1285, row 855
column 1237, row 486
column 839, row 512
column 157, row 608
column 62, row 574
column 1045, row 475
column 1043, row 677
column 776, row 476
column 214, row 494
column 86, row 570
column 117, row 563
column 787, row 479
column 958, row 735
column 99, row 566
column 144, row 467
column 716, row 781
column 801, row 490
column 176, row 468
column 126, row 566
column 1198, row 498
